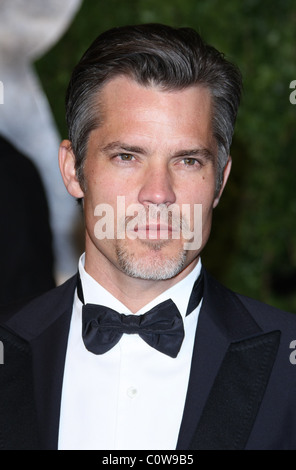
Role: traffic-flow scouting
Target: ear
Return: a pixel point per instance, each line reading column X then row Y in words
column 68, row 171
column 226, row 174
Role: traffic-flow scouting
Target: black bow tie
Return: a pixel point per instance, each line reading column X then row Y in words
column 161, row 327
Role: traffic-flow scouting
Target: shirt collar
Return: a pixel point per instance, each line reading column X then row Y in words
column 179, row 293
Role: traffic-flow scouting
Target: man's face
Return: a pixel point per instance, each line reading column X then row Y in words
column 155, row 149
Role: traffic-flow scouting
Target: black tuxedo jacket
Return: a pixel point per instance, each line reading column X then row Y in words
column 241, row 393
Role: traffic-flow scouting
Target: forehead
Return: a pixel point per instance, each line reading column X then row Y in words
column 150, row 112
column 123, row 90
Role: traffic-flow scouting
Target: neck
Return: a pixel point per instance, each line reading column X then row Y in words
column 134, row 293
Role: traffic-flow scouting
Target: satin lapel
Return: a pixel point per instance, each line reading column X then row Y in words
column 49, row 352
column 45, row 323
column 226, row 334
column 209, row 349
column 236, row 395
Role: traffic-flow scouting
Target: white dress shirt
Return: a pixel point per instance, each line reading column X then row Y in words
column 131, row 397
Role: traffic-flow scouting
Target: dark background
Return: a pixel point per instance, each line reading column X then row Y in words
column 252, row 248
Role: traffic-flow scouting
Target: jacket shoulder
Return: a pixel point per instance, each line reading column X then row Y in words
column 18, row 418
column 268, row 314
column 265, row 315
column 38, row 314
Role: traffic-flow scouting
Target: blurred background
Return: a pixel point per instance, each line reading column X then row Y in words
column 252, row 248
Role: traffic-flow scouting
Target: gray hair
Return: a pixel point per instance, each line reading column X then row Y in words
column 159, row 55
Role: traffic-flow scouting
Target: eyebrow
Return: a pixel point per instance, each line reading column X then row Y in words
column 195, row 152
column 121, row 146
column 198, row 152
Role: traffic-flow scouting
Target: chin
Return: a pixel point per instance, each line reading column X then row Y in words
column 158, row 261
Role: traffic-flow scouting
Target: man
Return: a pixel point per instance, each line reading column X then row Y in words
column 143, row 349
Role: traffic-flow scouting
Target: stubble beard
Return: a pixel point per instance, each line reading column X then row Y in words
column 153, row 265
column 148, row 259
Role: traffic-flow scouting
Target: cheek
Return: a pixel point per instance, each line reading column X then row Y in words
column 207, row 213
column 202, row 214
column 200, row 192
column 100, row 189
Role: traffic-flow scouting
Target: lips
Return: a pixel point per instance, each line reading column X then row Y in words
column 154, row 231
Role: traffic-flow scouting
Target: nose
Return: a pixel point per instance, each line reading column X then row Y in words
column 157, row 187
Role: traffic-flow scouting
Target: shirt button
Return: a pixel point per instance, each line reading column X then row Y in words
column 132, row 392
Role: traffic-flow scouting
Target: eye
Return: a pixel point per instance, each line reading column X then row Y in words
column 190, row 161
column 125, row 157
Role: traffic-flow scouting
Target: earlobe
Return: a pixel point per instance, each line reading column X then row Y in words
column 226, row 174
column 68, row 171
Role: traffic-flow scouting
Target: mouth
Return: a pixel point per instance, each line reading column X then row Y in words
column 155, row 231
